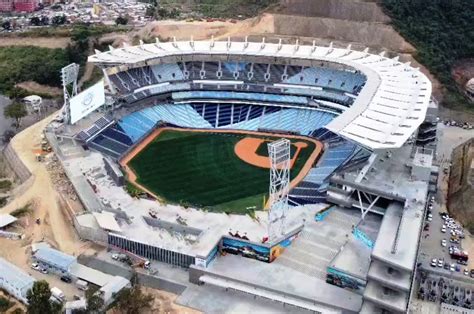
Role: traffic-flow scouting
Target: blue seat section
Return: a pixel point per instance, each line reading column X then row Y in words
column 117, row 135
column 273, row 98
column 334, row 157
column 137, row 124
column 313, row 187
column 347, row 81
column 332, row 96
column 108, row 146
column 167, row 72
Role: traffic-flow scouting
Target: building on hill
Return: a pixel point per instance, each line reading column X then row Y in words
column 18, row 5
column 6, row 5
column 25, row 5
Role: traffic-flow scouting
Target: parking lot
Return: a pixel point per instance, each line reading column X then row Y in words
column 69, row 289
column 440, row 236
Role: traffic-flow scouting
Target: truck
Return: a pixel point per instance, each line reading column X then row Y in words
column 81, row 285
column 57, row 293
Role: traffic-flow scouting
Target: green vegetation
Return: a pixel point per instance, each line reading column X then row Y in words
column 132, row 190
column 442, row 32
column 133, row 300
column 201, row 169
column 22, row 211
column 3, row 201
column 17, row 111
column 5, row 184
column 19, row 64
column 210, row 8
column 68, row 31
column 38, row 299
column 43, row 65
column 5, row 304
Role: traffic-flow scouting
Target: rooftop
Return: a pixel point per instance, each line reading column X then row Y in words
column 397, row 240
column 390, row 107
column 6, row 219
column 106, row 220
column 14, row 276
column 354, row 258
column 54, row 257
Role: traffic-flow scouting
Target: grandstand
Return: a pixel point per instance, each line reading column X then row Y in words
column 362, row 107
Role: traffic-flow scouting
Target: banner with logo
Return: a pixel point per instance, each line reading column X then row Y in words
column 87, row 101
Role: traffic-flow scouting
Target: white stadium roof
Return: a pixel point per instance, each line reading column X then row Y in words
column 387, row 111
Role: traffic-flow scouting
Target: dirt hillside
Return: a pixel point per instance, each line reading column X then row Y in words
column 337, row 9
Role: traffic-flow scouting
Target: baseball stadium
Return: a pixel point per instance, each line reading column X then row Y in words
column 170, row 155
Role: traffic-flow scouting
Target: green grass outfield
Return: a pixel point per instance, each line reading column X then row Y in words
column 201, row 169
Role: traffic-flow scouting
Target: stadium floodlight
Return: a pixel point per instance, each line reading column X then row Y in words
column 279, row 153
column 69, row 75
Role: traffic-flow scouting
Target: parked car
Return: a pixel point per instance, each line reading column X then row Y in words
column 443, row 229
column 434, row 262
column 36, row 266
column 66, row 279
column 466, row 272
column 44, row 270
column 443, row 242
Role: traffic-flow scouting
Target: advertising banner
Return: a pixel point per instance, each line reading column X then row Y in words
column 87, row 101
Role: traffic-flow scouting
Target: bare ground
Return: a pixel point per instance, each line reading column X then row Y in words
column 45, row 42
column 34, row 87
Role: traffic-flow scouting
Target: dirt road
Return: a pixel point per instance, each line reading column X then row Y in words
column 40, row 190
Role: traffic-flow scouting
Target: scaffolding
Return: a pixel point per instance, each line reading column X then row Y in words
column 279, row 153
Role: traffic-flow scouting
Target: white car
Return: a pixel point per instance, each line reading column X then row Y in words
column 115, row 256
column 35, row 266
column 466, row 272
column 443, row 242
column 452, row 268
column 443, row 229
column 434, row 262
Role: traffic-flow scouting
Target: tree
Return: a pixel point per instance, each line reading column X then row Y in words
column 94, row 302
column 38, row 299
column 59, row 20
column 36, row 21
column 121, row 20
column 44, row 20
column 133, row 300
column 7, row 25
column 16, row 110
column 150, row 11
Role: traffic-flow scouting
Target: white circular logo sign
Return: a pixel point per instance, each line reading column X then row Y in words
column 88, row 99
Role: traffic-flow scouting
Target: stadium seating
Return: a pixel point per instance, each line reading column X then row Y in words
column 330, row 78
column 312, row 188
column 226, row 95
column 167, row 72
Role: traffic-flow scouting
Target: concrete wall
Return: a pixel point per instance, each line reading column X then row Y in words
column 460, row 189
column 143, row 279
column 15, row 163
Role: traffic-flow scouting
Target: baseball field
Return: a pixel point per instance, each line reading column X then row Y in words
column 218, row 171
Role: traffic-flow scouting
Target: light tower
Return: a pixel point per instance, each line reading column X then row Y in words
column 69, row 75
column 279, row 153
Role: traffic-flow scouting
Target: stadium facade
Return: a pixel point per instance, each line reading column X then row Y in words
column 364, row 107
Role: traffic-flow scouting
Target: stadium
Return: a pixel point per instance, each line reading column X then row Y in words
column 169, row 154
